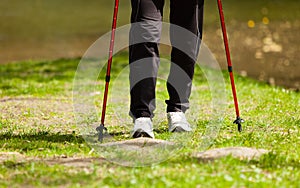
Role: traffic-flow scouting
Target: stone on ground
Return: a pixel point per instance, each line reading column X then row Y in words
column 139, row 143
column 137, row 152
column 242, row 153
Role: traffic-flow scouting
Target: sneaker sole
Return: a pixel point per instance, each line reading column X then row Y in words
column 179, row 130
column 139, row 134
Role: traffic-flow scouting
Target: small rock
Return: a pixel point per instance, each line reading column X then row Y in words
column 63, row 156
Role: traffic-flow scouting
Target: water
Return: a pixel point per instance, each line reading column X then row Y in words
column 264, row 35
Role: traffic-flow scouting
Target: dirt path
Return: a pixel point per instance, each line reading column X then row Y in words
column 83, row 163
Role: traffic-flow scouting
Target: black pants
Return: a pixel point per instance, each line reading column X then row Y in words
column 144, row 37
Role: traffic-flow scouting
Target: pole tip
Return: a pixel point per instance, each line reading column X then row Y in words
column 239, row 122
column 101, row 131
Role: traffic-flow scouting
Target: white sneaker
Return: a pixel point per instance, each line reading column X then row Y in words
column 177, row 122
column 142, row 128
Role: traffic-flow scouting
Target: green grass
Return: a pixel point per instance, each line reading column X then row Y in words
column 37, row 78
column 272, row 117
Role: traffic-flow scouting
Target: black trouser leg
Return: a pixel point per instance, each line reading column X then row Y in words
column 188, row 15
column 144, row 55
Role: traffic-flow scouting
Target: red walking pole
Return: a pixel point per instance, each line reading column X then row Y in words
column 238, row 120
column 102, row 128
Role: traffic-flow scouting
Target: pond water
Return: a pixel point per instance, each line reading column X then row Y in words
column 264, row 35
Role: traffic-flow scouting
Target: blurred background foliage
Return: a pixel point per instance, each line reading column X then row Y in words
column 264, row 35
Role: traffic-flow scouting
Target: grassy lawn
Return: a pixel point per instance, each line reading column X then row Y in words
column 37, row 121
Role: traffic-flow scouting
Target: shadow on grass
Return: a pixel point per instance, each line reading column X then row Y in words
column 41, row 136
column 45, row 136
column 62, row 69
